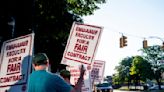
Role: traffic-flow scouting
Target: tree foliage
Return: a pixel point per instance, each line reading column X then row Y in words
column 141, row 68
column 50, row 20
column 116, row 79
column 134, row 68
column 123, row 68
column 83, row 7
column 154, row 54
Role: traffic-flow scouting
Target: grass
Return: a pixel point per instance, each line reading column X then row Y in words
column 139, row 88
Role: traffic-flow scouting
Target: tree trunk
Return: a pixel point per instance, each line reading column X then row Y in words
column 159, row 83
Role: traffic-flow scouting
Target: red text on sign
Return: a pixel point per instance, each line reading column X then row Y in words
column 85, row 36
column 80, row 48
column 11, row 78
column 16, row 52
column 13, row 68
column 82, row 41
column 15, row 59
column 79, row 56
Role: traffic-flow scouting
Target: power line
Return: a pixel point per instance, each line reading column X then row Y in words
column 132, row 35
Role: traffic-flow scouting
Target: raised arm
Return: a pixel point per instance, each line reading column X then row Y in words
column 79, row 84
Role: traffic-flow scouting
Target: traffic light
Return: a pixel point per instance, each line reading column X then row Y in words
column 124, row 40
column 121, row 42
column 144, row 43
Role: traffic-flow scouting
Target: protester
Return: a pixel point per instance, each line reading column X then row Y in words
column 42, row 81
column 66, row 75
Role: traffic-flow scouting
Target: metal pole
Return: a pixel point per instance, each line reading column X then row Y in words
column 157, row 38
column 12, row 23
column 162, row 39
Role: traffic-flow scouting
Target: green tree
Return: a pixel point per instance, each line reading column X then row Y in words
column 115, row 79
column 154, row 54
column 83, row 7
column 141, row 69
column 123, row 69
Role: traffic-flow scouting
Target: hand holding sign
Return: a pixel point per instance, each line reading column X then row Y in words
column 82, row 72
column 80, row 82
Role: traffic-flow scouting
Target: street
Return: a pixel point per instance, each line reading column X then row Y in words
column 138, row 91
column 126, row 91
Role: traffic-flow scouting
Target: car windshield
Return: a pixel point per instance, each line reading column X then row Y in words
column 103, row 85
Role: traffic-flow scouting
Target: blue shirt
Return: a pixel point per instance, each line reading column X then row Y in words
column 43, row 81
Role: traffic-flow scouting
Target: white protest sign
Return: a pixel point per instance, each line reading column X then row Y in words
column 75, row 74
column 82, row 44
column 97, row 71
column 15, row 67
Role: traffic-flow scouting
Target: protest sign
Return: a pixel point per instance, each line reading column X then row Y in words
column 15, row 66
column 97, row 71
column 75, row 74
column 82, row 44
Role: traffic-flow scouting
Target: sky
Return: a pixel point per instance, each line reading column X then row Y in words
column 136, row 19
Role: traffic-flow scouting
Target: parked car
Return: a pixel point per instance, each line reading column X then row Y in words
column 156, row 87
column 104, row 87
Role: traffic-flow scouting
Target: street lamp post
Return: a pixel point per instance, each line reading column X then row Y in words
column 154, row 61
column 159, row 39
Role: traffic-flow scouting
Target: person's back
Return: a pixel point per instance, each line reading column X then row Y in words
column 41, row 81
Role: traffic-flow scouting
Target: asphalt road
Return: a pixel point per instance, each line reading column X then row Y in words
column 126, row 91
column 139, row 91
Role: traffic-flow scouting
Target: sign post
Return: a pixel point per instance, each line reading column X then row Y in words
column 15, row 65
